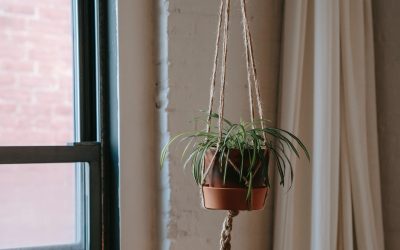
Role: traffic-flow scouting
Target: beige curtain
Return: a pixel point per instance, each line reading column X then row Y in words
column 328, row 99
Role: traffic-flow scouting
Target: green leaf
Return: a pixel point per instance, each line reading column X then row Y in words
column 249, row 188
column 226, row 164
column 248, row 138
column 298, row 141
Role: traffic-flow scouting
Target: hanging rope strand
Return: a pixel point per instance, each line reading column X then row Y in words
column 223, row 81
column 224, row 13
column 225, row 242
column 212, row 89
column 250, row 51
column 214, row 73
column 251, row 73
column 248, row 73
column 223, row 70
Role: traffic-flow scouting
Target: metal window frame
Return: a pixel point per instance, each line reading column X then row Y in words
column 56, row 247
column 88, row 152
column 94, row 35
column 86, row 97
column 96, row 107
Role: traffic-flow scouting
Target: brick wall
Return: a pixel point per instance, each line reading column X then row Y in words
column 37, row 203
column 35, row 72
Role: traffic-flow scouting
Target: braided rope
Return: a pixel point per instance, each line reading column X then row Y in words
column 214, row 73
column 223, row 70
column 224, row 15
column 250, row 52
column 227, row 5
column 225, row 242
column 224, row 12
column 249, row 69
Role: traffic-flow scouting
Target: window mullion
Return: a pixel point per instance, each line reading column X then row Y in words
column 85, row 85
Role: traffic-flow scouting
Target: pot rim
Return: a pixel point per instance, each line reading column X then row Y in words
column 214, row 148
column 231, row 188
column 233, row 198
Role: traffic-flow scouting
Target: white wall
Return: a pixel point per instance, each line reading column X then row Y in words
column 138, row 154
column 192, row 29
column 191, row 35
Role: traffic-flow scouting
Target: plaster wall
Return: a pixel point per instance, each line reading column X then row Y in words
column 191, row 33
column 187, row 30
column 137, row 124
column 190, row 29
column 387, row 55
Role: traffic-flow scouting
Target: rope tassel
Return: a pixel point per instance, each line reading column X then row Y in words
column 225, row 241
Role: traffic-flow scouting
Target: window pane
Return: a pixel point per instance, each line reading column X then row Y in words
column 41, row 204
column 36, row 103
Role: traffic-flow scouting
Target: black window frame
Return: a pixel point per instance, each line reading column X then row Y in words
column 88, row 152
column 96, row 129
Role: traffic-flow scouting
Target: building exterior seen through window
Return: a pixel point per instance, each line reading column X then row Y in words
column 37, row 203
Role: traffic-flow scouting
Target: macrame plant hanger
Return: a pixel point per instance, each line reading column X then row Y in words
column 223, row 29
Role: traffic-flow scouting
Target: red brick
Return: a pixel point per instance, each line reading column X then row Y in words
column 64, row 121
column 63, row 110
column 43, row 123
column 12, row 23
column 36, row 82
column 15, row 96
column 48, row 55
column 64, row 138
column 48, row 97
column 7, row 80
column 10, row 52
column 60, row 127
column 19, row 9
column 48, row 27
column 18, row 39
column 8, row 108
column 48, row 3
column 36, row 95
column 20, row 66
column 32, row 111
column 55, row 13
column 39, row 40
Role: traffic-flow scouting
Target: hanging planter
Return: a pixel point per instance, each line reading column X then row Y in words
column 228, row 188
column 231, row 165
column 230, row 161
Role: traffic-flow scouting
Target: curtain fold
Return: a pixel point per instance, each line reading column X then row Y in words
column 327, row 97
column 293, row 205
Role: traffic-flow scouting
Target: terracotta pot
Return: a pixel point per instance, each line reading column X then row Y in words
column 232, row 194
column 233, row 198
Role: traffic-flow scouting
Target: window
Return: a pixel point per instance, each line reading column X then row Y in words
column 53, row 195
column 88, row 198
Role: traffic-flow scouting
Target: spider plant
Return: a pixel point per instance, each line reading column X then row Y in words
column 247, row 137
